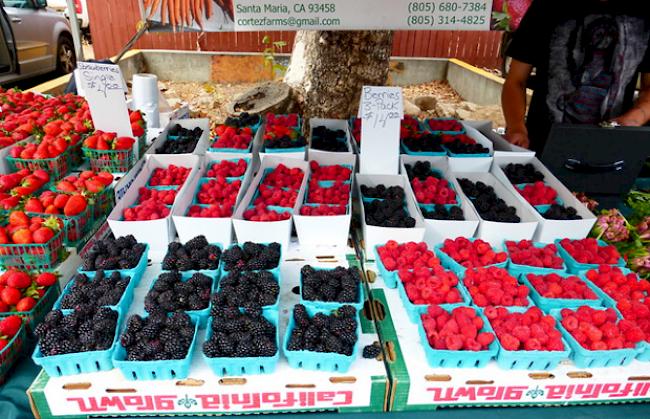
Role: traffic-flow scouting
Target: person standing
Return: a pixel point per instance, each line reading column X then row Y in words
column 588, row 55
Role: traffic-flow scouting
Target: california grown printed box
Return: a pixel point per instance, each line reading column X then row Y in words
column 548, row 230
column 216, row 230
column 332, row 124
column 495, row 232
column 415, row 385
column 439, row 230
column 157, row 233
column 364, row 388
column 267, row 232
column 375, row 235
column 201, row 145
column 327, row 230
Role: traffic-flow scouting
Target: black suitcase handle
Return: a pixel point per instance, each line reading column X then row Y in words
column 580, row 166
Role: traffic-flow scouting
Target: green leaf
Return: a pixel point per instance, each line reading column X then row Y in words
column 280, row 44
column 266, row 39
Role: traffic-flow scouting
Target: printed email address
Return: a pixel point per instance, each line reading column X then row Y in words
column 291, row 22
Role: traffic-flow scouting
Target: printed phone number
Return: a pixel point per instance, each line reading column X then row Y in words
column 427, row 20
column 448, row 7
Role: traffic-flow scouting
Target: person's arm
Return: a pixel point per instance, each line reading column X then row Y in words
column 640, row 114
column 513, row 101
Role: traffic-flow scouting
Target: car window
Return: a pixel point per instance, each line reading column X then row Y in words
column 19, row 4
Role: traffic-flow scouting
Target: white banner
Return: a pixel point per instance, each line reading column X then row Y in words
column 289, row 15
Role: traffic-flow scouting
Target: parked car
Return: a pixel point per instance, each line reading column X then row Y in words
column 80, row 8
column 34, row 40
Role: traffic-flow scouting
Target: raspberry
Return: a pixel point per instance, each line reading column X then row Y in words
column 529, row 331
column 618, row 285
column 456, row 330
column 406, row 256
column 433, row 191
column 538, row 193
column 335, row 172
column 556, row 286
column 495, row 286
column 524, row 253
column 589, row 251
column 227, row 168
column 587, row 326
column 472, row 254
column 430, row 286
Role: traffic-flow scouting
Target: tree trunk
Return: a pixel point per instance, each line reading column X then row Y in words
column 328, row 69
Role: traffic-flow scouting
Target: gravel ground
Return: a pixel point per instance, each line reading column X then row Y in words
column 211, row 99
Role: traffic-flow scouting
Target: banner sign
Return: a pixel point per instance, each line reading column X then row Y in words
column 288, row 15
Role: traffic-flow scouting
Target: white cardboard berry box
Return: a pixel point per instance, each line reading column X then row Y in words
column 201, row 146
column 438, row 230
column 502, row 148
column 265, row 232
column 363, row 388
column 318, row 231
column 157, row 233
column 415, row 385
column 473, row 164
column 216, row 230
column 495, row 232
column 332, row 124
column 548, row 230
column 375, row 235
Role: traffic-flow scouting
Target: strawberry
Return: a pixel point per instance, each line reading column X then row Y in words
column 22, row 236
column 9, row 326
column 61, row 200
column 18, row 279
column 34, row 205
column 123, row 143
column 43, row 235
column 75, row 205
column 25, row 304
column 94, row 186
column 18, row 218
column 46, row 279
column 65, row 186
column 10, row 296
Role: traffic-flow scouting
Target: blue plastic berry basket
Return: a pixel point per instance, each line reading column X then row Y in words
column 443, row 358
column 528, row 360
column 406, row 150
column 171, row 369
column 548, row 304
column 390, row 277
column 270, row 150
column 516, row 269
column 319, row 361
column 276, row 276
column 200, row 315
column 234, row 366
column 275, row 271
column 235, row 160
column 542, row 209
column 429, row 129
column 576, row 267
column 80, row 362
column 643, row 346
column 608, row 301
column 449, row 263
column 332, row 305
column 414, row 311
column 135, row 273
column 122, row 305
column 585, row 358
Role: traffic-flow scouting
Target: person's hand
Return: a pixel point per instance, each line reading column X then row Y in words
column 633, row 118
column 518, row 138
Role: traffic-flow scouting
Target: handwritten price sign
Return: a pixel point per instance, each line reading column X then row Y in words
column 104, row 88
column 381, row 110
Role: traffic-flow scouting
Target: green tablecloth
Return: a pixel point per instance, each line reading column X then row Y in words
column 14, row 405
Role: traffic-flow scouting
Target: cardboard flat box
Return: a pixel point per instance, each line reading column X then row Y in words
column 438, row 231
column 548, row 230
column 374, row 235
column 415, row 385
column 363, row 388
column 318, row 231
column 201, row 146
column 157, row 233
column 266, row 232
column 494, row 232
column 473, row 164
column 216, row 230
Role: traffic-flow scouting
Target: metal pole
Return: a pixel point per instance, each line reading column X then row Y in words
column 76, row 31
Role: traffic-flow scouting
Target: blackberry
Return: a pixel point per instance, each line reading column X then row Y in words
column 323, row 138
column 170, row 293
column 337, row 285
column 185, row 143
column 98, row 291
column 77, row 331
column 424, row 142
column 388, row 213
column 489, row 206
column 196, row 254
column 241, row 289
column 158, row 337
column 522, row 173
column 332, row 333
column 440, row 212
column 382, row 192
column 109, row 253
column 562, row 213
column 460, row 146
column 421, row 170
column 285, row 142
column 243, row 120
column 243, row 335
